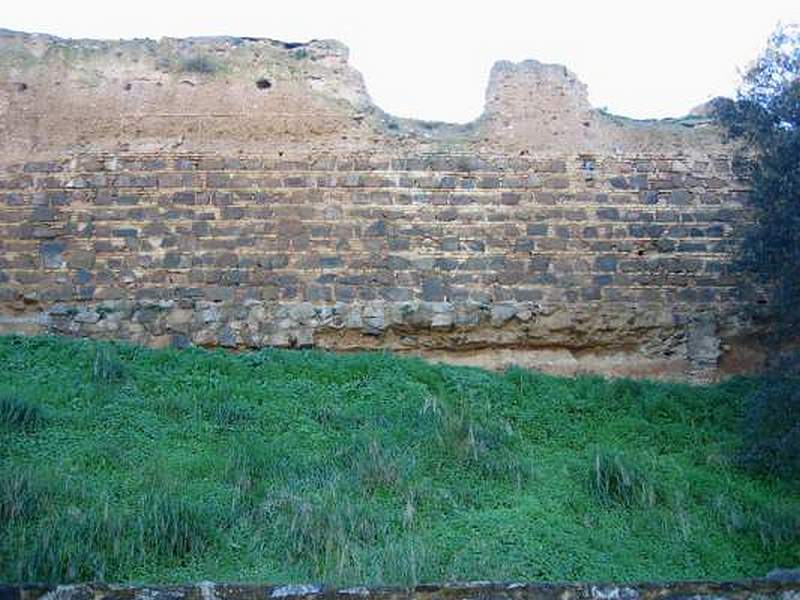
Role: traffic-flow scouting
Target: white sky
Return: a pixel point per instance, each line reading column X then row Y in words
column 430, row 59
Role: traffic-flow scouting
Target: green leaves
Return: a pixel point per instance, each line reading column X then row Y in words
column 766, row 116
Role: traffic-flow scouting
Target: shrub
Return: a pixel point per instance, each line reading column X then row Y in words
column 200, row 64
column 766, row 116
column 771, row 429
column 616, row 479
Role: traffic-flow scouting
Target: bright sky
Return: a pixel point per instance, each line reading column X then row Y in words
column 430, row 59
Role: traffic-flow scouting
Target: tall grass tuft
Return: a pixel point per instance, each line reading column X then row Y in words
column 774, row 523
column 229, row 414
column 19, row 414
column 323, row 523
column 21, row 495
column 477, row 438
column 616, row 479
column 377, row 467
column 171, row 527
column 106, row 365
column 104, row 541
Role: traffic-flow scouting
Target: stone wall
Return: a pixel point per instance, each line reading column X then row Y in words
column 756, row 589
column 246, row 193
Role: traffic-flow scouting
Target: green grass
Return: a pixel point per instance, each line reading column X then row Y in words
column 126, row 464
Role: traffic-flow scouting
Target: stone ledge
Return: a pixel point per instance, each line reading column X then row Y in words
column 761, row 589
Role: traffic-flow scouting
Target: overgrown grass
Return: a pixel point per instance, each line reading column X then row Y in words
column 120, row 463
column 17, row 413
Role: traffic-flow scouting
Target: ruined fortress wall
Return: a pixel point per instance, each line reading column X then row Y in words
column 246, row 193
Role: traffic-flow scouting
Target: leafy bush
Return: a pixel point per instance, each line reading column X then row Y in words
column 771, row 429
column 766, row 117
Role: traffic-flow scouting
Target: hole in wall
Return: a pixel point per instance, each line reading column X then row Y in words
column 127, row 87
column 21, row 87
column 263, row 84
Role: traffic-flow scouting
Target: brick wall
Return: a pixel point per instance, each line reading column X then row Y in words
column 598, row 257
column 146, row 200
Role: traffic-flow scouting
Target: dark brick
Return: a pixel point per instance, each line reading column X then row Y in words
column 376, row 229
column 611, row 214
column 536, row 229
column 330, row 262
column 450, row 214
column 52, row 254
column 605, row 263
column 445, row 264
column 433, row 290
column 488, row 183
column 539, row 263
column 172, row 260
column 680, row 198
column 591, row 293
column 42, row 167
column 233, row 213
column 43, row 214
column 603, row 280
column 619, row 183
column 648, row 197
column 184, row 197
column 125, row 233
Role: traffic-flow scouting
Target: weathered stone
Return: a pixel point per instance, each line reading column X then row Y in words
column 544, row 223
column 52, row 254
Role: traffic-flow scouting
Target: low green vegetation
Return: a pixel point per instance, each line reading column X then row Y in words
column 125, row 464
column 201, row 64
